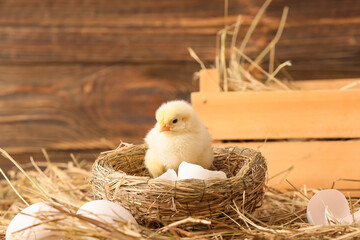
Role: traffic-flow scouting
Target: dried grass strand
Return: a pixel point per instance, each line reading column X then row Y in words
column 13, row 188
column 262, row 70
column 253, row 26
column 275, row 40
column 6, row 155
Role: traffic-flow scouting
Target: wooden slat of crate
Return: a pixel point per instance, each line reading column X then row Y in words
column 210, row 82
column 316, row 164
column 280, row 114
column 334, row 84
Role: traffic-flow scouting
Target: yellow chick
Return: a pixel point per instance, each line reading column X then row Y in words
column 177, row 136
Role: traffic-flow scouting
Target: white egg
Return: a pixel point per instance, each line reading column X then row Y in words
column 170, row 174
column 193, row 171
column 27, row 218
column 105, row 211
column 330, row 199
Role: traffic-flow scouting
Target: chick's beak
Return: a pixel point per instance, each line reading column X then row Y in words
column 164, row 128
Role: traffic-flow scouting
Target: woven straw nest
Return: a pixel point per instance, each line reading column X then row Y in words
column 120, row 176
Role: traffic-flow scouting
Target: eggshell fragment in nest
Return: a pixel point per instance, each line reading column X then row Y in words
column 170, row 174
column 333, row 200
column 105, row 211
column 193, row 171
column 352, row 218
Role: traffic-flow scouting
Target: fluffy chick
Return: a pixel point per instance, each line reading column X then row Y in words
column 177, row 136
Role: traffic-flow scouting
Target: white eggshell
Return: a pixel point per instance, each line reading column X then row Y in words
column 333, row 199
column 105, row 211
column 350, row 218
column 330, row 219
column 27, row 218
column 170, row 174
column 193, row 171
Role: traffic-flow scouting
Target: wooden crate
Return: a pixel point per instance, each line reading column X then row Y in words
column 315, row 130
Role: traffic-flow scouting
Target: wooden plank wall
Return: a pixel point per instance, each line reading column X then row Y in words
column 79, row 75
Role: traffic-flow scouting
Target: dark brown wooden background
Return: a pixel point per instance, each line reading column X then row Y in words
column 79, row 75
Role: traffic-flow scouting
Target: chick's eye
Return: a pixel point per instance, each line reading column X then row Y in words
column 175, row 120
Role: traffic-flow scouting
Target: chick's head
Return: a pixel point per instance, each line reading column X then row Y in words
column 176, row 117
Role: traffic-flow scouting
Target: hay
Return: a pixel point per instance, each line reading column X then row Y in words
column 238, row 72
column 121, row 176
column 63, row 183
column 282, row 215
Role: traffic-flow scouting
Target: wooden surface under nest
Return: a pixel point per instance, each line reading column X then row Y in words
column 120, row 176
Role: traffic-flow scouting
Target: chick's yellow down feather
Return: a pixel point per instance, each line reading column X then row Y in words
column 177, row 136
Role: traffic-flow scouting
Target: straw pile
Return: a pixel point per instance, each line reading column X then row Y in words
column 238, row 71
column 282, row 215
column 120, row 176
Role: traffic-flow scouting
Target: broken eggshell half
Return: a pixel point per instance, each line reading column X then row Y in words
column 331, row 201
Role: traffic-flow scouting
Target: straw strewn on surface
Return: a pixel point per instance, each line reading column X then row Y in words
column 281, row 216
column 120, row 176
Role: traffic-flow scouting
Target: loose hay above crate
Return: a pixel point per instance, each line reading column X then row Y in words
column 120, row 176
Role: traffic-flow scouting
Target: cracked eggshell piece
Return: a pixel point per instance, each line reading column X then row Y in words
column 350, row 219
column 170, row 174
column 330, row 219
column 105, row 211
column 331, row 198
column 27, row 218
column 193, row 171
